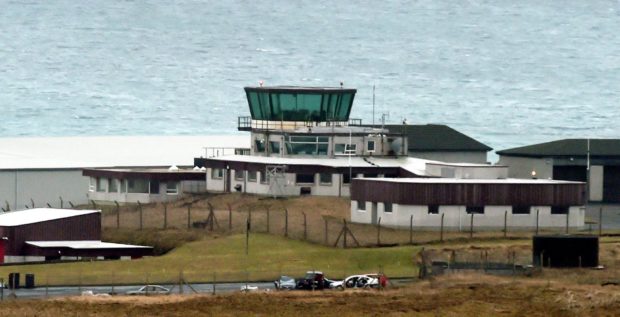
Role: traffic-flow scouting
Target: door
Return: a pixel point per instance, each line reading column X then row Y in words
column 373, row 213
column 611, row 184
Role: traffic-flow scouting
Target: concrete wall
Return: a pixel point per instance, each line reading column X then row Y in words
column 522, row 167
column 477, row 157
column 467, row 172
column 456, row 217
column 43, row 186
column 288, row 187
column 120, row 196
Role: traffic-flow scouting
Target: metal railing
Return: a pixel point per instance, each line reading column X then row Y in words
column 245, row 123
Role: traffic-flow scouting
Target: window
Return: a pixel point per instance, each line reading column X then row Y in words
column 559, row 210
column 154, row 187
column 260, row 145
column 139, row 186
column 274, row 147
column 433, row 209
column 239, row 175
column 346, row 178
column 371, row 175
column 172, row 188
column 339, row 149
column 370, row 146
column 387, row 207
column 308, row 145
column 100, row 184
column 217, row 173
column 520, row 210
column 252, row 176
column 91, row 184
column 264, row 177
column 304, row 178
column 325, row 178
column 112, row 185
column 361, row 205
column 350, row 148
column 475, row 209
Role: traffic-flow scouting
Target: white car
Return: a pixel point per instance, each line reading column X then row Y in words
column 358, row 281
column 150, row 290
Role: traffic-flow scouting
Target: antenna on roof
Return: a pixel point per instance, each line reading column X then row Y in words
column 373, row 104
column 341, row 84
column 260, row 83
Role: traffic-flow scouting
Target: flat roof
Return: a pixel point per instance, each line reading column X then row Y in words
column 28, row 216
column 414, row 165
column 84, row 245
column 473, row 181
column 110, row 151
column 567, row 147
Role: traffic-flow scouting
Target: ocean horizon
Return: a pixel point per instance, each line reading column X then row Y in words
column 507, row 74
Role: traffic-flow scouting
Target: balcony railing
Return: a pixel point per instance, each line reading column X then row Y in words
column 246, row 123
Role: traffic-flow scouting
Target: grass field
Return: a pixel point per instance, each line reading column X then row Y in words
column 269, row 256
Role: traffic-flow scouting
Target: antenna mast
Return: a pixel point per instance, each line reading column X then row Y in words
column 373, row 104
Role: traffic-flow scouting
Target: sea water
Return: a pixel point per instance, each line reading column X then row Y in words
column 507, row 73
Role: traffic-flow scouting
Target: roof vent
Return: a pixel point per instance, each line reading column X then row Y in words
column 203, row 169
column 173, row 168
column 196, row 168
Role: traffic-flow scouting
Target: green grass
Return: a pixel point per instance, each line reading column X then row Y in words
column 269, row 256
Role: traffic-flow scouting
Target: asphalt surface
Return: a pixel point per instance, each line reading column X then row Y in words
column 40, row 292
column 611, row 216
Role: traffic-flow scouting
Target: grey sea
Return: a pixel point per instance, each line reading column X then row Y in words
column 507, row 73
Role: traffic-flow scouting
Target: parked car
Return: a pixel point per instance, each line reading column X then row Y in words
column 285, row 283
column 361, row 281
column 150, row 290
column 248, row 288
column 313, row 280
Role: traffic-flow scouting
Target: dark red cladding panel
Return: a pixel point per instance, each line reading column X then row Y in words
column 473, row 194
column 84, row 227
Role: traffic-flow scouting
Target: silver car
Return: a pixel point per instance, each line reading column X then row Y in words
column 150, row 290
column 285, row 283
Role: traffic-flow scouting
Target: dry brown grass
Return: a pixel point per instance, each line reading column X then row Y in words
column 319, row 211
column 453, row 295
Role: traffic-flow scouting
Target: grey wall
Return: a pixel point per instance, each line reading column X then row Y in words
column 452, row 157
column 43, row 186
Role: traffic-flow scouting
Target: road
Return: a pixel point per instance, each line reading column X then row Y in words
column 40, row 292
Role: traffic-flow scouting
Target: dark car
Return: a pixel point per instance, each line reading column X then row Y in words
column 313, row 280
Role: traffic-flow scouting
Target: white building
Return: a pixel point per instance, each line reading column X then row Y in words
column 42, row 170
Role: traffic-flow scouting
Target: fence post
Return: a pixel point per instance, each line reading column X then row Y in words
column 61, row 202
column 285, row 222
column 411, row 229
column 505, row 223
column 441, row 229
column 32, row 202
column 249, row 218
column 344, row 241
column 471, row 226
column 537, row 213
column 8, row 207
column 189, row 215
column 118, row 215
column 379, row 232
column 268, row 218
column 140, row 209
column 94, row 204
column 567, row 219
column 305, row 226
column 229, row 217
column 165, row 215
column 600, row 221
column 214, row 282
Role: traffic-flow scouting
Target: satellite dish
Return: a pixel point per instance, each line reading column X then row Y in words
column 396, row 145
column 173, row 168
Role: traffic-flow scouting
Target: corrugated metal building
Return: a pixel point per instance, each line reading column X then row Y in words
column 42, row 234
column 395, row 201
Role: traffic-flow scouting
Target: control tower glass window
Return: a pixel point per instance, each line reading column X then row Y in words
column 300, row 103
